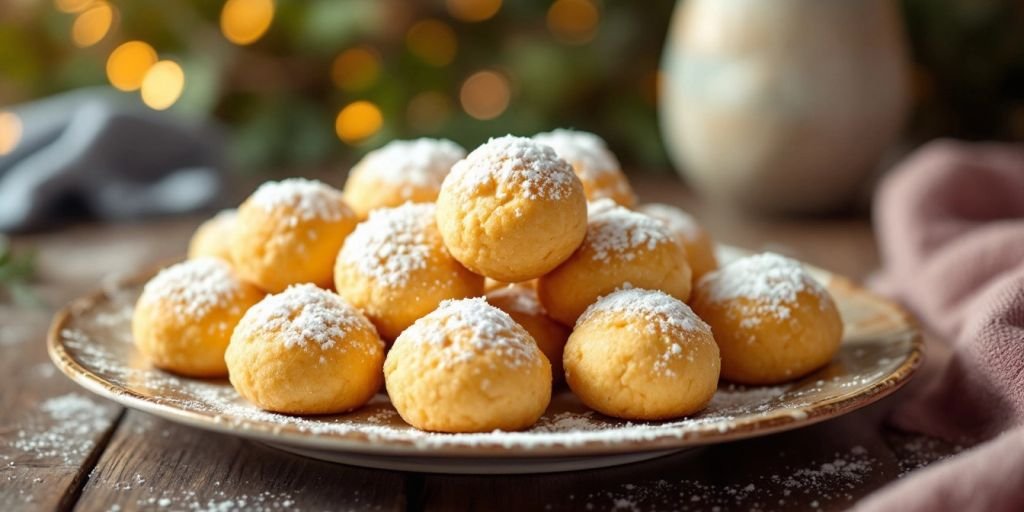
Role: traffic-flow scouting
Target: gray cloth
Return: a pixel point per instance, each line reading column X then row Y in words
column 102, row 153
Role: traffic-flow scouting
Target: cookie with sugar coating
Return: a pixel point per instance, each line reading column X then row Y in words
column 700, row 248
column 467, row 367
column 521, row 303
column 772, row 320
column 594, row 164
column 395, row 268
column 642, row 355
column 305, row 351
column 512, row 210
column 182, row 321
column 290, row 232
column 400, row 171
column 213, row 237
column 622, row 248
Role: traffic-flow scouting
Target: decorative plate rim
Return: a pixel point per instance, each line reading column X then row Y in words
column 359, row 442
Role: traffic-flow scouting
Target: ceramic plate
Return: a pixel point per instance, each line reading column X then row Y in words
column 90, row 341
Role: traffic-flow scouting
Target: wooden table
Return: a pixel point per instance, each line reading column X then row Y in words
column 62, row 448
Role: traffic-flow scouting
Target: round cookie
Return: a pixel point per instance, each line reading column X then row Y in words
column 290, row 232
column 305, row 351
column 467, row 367
column 622, row 249
column 521, row 303
column 700, row 249
column 400, row 171
column 183, row 320
column 642, row 355
column 213, row 237
column 512, row 210
column 395, row 269
column 594, row 164
column 772, row 320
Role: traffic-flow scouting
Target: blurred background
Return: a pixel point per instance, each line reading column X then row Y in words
column 316, row 83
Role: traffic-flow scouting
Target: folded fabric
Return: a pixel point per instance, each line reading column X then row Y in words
column 106, row 154
column 950, row 224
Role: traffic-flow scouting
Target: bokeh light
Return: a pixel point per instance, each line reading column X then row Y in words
column 10, row 132
column 573, row 21
column 245, row 21
column 428, row 111
column 92, row 25
column 485, row 95
column 72, row 6
column 358, row 121
column 162, row 85
column 473, row 10
column 356, row 69
column 432, row 41
column 128, row 64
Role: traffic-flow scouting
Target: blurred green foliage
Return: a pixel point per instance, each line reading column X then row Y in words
column 278, row 98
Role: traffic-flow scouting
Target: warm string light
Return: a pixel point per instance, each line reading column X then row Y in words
column 93, row 24
column 432, row 41
column 10, row 132
column 128, row 64
column 573, row 21
column 358, row 121
column 72, row 6
column 485, row 95
column 472, row 11
column 245, row 21
column 163, row 85
column 356, row 69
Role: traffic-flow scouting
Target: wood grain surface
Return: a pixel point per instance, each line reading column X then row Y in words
column 58, row 452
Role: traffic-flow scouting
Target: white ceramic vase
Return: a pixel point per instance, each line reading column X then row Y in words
column 783, row 105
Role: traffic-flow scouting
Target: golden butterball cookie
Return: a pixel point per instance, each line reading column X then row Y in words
column 213, row 237
column 183, row 320
column 593, row 162
column 622, row 248
column 395, row 268
column 467, row 367
column 700, row 249
column 642, row 355
column 290, row 232
column 512, row 210
column 521, row 303
column 400, row 171
column 305, row 351
column 772, row 320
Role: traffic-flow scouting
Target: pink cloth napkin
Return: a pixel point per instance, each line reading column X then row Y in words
column 950, row 223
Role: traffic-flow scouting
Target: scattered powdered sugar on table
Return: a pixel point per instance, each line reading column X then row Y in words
column 677, row 220
column 824, row 483
column 301, row 316
column 64, row 427
column 513, row 165
column 490, row 329
column 192, row 288
column 306, row 199
column 616, row 232
column 771, row 280
column 392, row 243
column 421, row 162
column 585, row 151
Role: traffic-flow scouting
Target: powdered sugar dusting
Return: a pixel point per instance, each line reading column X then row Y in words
column 616, row 232
column 420, row 162
column 514, row 166
column 677, row 220
column 64, row 427
column 392, row 243
column 303, row 316
column 490, row 330
column 771, row 280
column 585, row 151
column 306, row 199
column 193, row 288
